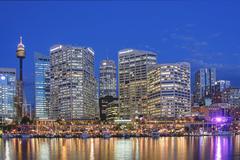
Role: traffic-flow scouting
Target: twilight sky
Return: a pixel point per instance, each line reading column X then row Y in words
column 202, row 33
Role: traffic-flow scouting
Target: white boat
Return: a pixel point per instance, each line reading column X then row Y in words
column 50, row 136
column 224, row 133
column 68, row 136
column 26, row 135
column 155, row 134
column 126, row 135
column 106, row 134
column 84, row 135
column 5, row 136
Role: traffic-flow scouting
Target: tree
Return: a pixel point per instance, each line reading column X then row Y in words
column 26, row 120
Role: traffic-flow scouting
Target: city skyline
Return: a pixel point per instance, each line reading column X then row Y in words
column 120, row 80
column 203, row 41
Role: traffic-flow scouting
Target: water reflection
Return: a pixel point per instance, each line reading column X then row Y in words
column 169, row 148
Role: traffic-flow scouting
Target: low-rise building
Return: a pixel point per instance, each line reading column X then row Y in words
column 103, row 105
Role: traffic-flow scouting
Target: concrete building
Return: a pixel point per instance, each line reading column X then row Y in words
column 218, row 88
column 169, row 91
column 112, row 111
column 103, row 105
column 42, row 85
column 205, row 79
column 73, row 86
column 107, row 79
column 132, row 80
column 221, row 85
column 20, row 99
column 7, row 93
column 231, row 96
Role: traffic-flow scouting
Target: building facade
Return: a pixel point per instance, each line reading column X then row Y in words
column 231, row 96
column 73, row 87
column 42, row 85
column 205, row 80
column 219, row 87
column 132, row 80
column 169, row 90
column 7, row 93
column 103, row 105
column 107, row 79
column 112, row 111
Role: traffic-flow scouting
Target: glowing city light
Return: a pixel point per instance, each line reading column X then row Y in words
column 3, row 78
column 219, row 119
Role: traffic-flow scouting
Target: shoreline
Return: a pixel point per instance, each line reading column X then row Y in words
column 101, row 137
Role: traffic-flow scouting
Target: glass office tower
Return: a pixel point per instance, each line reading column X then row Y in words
column 42, row 86
column 7, row 93
column 107, row 79
column 205, row 79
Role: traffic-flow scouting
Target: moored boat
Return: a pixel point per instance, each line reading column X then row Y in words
column 84, row 135
column 155, row 134
column 106, row 134
column 26, row 136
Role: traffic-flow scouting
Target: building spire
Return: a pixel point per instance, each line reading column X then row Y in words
column 20, row 40
column 20, row 44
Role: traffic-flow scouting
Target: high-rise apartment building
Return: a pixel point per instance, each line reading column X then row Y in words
column 7, row 93
column 132, row 80
column 205, row 79
column 42, row 85
column 107, row 79
column 169, row 90
column 73, row 88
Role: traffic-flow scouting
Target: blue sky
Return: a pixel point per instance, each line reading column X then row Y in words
column 202, row 33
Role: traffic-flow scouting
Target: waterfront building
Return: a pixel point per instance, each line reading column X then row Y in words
column 231, row 96
column 103, row 105
column 107, row 79
column 7, row 93
column 42, row 85
column 112, row 111
column 205, row 79
column 219, row 87
column 73, row 86
column 169, row 91
column 219, row 110
column 132, row 80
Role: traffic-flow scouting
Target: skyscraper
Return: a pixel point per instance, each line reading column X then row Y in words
column 169, row 90
column 205, row 79
column 42, row 86
column 72, row 83
column 7, row 93
column 132, row 79
column 107, row 79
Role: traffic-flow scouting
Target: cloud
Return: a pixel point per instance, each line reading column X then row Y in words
column 215, row 35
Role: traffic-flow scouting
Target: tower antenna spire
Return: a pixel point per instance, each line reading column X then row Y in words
column 21, row 40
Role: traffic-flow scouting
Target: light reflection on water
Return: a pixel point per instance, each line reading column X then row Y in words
column 169, row 148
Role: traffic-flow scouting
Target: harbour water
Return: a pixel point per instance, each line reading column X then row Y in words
column 163, row 148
